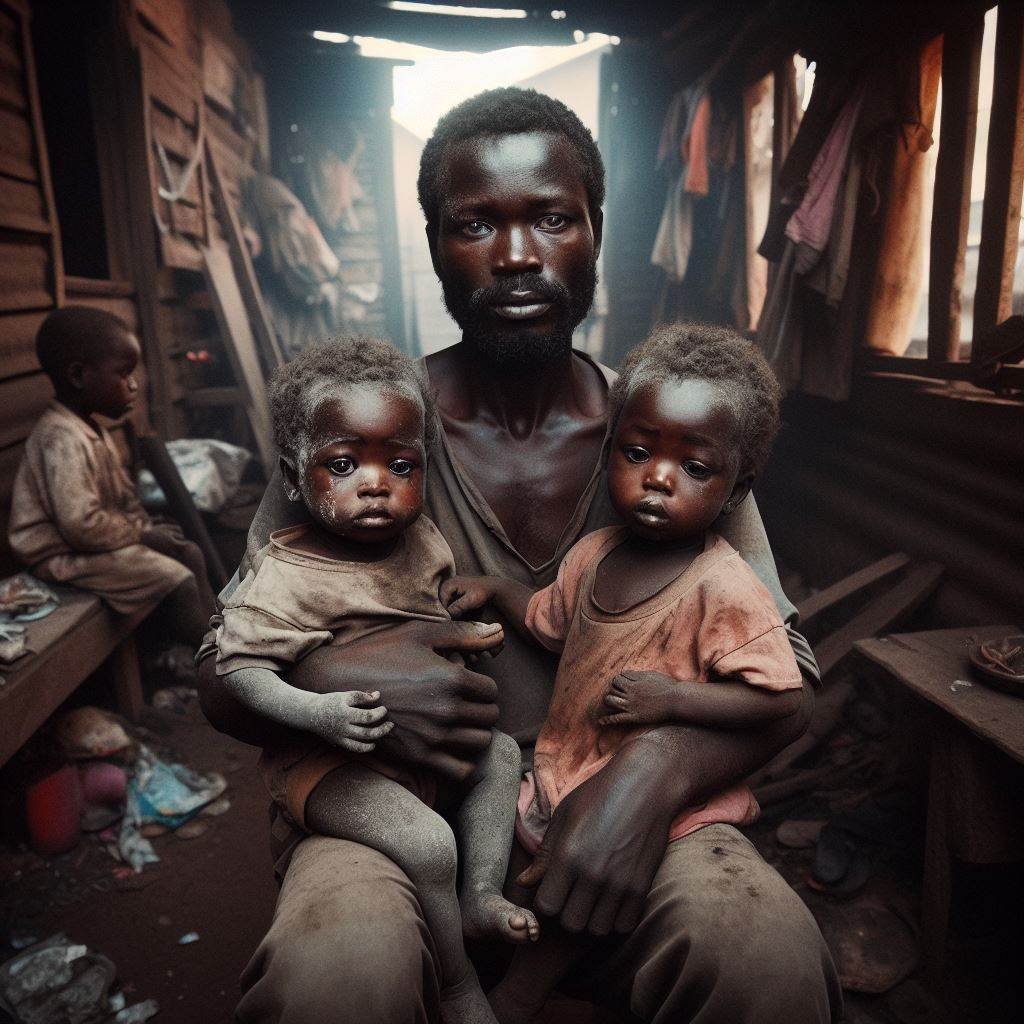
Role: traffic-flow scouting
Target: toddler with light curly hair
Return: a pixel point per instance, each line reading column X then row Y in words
column 352, row 418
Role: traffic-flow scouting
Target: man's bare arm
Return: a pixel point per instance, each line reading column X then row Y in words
column 442, row 711
column 608, row 836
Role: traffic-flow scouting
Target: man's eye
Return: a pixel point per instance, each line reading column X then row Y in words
column 341, row 466
column 475, row 228
column 553, row 222
column 636, row 454
column 697, row 470
column 402, row 467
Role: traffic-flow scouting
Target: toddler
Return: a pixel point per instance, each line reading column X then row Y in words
column 350, row 418
column 75, row 514
column 658, row 620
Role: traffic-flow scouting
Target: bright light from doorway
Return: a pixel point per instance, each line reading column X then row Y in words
column 463, row 12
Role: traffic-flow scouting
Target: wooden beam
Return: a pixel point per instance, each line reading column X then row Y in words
column 1004, row 179
column 961, row 61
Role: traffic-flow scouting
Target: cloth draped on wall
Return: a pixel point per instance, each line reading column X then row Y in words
column 852, row 183
column 702, row 224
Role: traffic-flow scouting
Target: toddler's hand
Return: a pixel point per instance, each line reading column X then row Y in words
column 639, row 698
column 463, row 594
column 352, row 720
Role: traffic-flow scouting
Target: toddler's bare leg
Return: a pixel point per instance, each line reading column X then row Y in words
column 357, row 803
column 533, row 974
column 486, row 818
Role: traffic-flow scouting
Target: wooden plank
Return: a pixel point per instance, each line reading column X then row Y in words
column 818, row 603
column 882, row 613
column 1004, row 180
column 252, row 295
column 167, row 84
column 22, row 207
column 22, row 401
column 213, row 397
column 18, row 343
column 177, row 137
column 10, row 40
column 170, row 18
column 929, row 663
column 25, row 281
column 961, row 61
column 241, row 348
column 16, row 149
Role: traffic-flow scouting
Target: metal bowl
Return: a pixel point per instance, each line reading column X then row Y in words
column 1000, row 664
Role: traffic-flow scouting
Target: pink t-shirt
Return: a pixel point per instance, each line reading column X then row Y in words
column 715, row 621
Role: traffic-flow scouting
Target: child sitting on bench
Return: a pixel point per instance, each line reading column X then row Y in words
column 75, row 515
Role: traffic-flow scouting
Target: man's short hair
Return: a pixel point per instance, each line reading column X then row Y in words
column 508, row 111
column 74, row 334
column 694, row 351
column 295, row 389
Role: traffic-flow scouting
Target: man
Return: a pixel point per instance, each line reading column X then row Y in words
column 511, row 184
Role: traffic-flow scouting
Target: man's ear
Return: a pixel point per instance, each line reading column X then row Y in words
column 597, row 225
column 739, row 492
column 290, row 479
column 74, row 374
column 431, row 233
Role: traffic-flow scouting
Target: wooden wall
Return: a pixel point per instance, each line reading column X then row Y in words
column 933, row 470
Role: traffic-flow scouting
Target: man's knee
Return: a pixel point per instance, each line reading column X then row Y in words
column 723, row 923
column 347, row 932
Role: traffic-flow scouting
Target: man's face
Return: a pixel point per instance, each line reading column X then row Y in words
column 515, row 248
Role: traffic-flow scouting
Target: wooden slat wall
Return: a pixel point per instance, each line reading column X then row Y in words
column 961, row 58
column 31, row 271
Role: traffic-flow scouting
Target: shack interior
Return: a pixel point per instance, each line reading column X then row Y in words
column 232, row 179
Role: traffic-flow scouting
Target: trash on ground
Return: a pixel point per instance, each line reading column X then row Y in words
column 166, row 794
column 211, row 471
column 90, row 732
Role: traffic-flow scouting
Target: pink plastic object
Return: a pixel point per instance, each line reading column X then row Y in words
column 53, row 806
column 102, row 783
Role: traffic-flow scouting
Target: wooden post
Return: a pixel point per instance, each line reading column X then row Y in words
column 1004, row 179
column 123, row 666
column 961, row 60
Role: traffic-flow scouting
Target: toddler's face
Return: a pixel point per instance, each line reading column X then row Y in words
column 107, row 384
column 673, row 462
column 361, row 473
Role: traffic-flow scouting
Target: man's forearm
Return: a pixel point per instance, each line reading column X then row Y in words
column 691, row 762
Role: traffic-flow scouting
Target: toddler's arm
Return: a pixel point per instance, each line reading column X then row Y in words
column 353, row 720
column 653, row 698
column 463, row 594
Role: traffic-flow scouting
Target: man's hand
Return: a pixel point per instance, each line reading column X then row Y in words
column 442, row 712
column 602, row 849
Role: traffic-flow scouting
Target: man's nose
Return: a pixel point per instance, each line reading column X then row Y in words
column 517, row 253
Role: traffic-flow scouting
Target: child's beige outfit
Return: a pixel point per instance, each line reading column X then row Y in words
column 292, row 602
column 76, row 517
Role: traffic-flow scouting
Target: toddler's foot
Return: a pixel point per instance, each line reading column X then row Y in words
column 465, row 1003
column 491, row 916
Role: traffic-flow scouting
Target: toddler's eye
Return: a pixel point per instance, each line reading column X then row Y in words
column 636, row 454
column 402, row 467
column 697, row 470
column 341, row 466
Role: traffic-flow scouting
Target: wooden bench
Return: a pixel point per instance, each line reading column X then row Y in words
column 67, row 646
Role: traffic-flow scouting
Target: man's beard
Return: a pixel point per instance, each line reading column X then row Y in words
column 513, row 347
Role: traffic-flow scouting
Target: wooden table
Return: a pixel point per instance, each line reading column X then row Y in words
column 976, row 782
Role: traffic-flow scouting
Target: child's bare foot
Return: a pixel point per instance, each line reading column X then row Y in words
column 465, row 1003
column 491, row 916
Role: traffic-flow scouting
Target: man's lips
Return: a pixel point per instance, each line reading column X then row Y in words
column 522, row 306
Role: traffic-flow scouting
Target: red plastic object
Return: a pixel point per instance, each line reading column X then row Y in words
column 53, row 806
